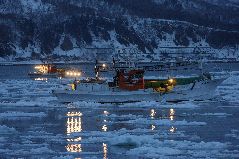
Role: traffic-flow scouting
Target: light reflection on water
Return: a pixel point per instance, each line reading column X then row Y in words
column 171, row 114
column 152, row 113
column 172, row 129
column 105, row 127
column 73, row 125
column 172, row 118
column 105, row 150
column 213, row 129
column 74, row 148
column 41, row 79
column 153, row 127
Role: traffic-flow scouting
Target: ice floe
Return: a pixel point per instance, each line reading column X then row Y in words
column 146, row 121
column 5, row 130
column 17, row 115
column 153, row 104
column 234, row 134
column 147, row 146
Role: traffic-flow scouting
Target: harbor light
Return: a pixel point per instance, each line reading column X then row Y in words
column 41, row 68
column 38, row 67
column 104, row 65
column 171, row 81
column 73, row 73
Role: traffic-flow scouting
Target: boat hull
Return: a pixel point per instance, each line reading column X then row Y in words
column 38, row 75
column 201, row 90
column 105, row 97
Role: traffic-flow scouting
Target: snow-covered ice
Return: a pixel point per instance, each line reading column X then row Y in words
column 34, row 124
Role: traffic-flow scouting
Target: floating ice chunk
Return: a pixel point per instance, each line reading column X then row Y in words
column 11, row 115
column 154, row 152
column 150, row 147
column 64, row 157
column 2, row 139
column 128, row 140
column 216, row 114
column 41, row 150
column 230, row 88
column 124, row 117
column 4, row 129
column 43, row 101
column 234, row 134
column 164, row 122
column 185, row 105
column 85, row 104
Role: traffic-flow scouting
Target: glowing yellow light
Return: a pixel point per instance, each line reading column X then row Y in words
column 71, row 73
column 67, row 73
column 170, row 80
column 105, row 150
column 74, row 122
column 171, row 118
column 171, row 114
column 74, row 114
column 104, row 65
column 74, row 148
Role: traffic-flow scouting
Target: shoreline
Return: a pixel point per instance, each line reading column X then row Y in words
column 22, row 63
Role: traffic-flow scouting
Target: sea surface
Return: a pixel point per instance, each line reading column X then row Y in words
column 33, row 124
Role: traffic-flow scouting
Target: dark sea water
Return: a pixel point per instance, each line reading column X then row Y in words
column 33, row 124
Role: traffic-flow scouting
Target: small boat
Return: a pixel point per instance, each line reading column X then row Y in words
column 130, row 86
column 46, row 71
column 51, row 71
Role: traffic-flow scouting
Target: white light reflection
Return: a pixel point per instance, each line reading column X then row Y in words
column 104, row 128
column 106, row 113
column 41, row 79
column 74, row 148
column 172, row 129
column 171, row 114
column 152, row 113
column 153, row 127
column 73, row 125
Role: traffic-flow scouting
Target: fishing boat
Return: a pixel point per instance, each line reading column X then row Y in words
column 130, row 86
column 51, row 71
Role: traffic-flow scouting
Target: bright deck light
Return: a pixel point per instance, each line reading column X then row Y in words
column 171, row 80
column 73, row 73
column 38, row 67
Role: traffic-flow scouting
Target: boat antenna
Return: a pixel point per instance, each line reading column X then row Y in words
column 97, row 69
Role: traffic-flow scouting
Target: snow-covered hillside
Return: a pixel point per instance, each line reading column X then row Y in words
column 61, row 28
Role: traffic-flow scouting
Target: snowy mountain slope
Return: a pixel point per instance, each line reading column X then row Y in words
column 39, row 28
